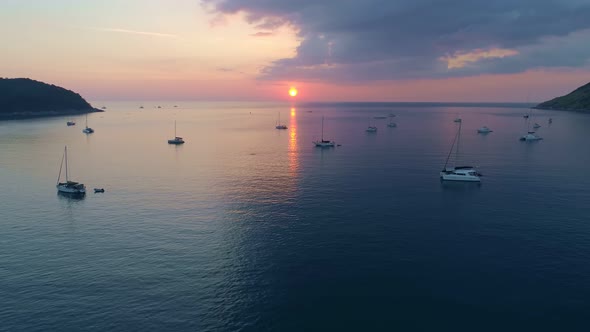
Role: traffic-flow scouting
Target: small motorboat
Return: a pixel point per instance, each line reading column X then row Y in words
column 98, row 190
column 550, row 120
column 526, row 116
column 458, row 120
column 371, row 129
column 392, row 125
column 536, row 125
column 71, row 123
column 484, row 130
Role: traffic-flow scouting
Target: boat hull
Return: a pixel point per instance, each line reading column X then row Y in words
column 324, row 144
column 459, row 178
column 174, row 142
column 70, row 190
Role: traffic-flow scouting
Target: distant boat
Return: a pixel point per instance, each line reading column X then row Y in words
column 459, row 173
column 536, row 125
column 371, row 129
column 104, row 107
column 98, row 190
column 176, row 140
column 140, row 106
column 175, row 106
column 526, row 116
column 458, row 120
column 484, row 130
column 391, row 124
column 324, row 143
column 550, row 120
column 71, row 123
column 530, row 136
column 87, row 130
column 159, row 106
column 68, row 187
column 279, row 125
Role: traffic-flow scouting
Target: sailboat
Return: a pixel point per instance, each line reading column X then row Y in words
column 87, row 130
column 324, row 143
column 279, row 125
column 391, row 124
column 371, row 129
column 459, row 173
column 68, row 187
column 176, row 140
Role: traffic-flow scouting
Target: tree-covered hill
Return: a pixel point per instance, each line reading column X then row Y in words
column 23, row 97
column 577, row 100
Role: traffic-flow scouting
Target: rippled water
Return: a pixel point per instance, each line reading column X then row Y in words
column 249, row 228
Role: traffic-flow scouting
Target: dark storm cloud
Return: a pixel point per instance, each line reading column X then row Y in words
column 383, row 39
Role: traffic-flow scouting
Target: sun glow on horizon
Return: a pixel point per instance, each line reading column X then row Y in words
column 293, row 91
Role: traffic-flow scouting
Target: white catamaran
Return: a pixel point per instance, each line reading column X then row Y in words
column 68, row 187
column 324, row 143
column 279, row 125
column 176, row 140
column 459, row 173
column 87, row 130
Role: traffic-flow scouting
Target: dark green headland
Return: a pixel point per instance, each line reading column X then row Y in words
column 577, row 100
column 22, row 98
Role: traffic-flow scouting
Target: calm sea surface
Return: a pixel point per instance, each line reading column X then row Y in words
column 248, row 228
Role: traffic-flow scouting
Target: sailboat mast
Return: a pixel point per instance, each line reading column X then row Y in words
column 60, row 168
column 174, row 128
column 322, row 128
column 452, row 147
column 458, row 141
column 66, row 157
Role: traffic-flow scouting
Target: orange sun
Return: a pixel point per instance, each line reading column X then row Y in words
column 292, row 92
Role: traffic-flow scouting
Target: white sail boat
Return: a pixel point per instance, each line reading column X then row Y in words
column 176, row 140
column 459, row 173
column 391, row 124
column 324, row 143
column 87, row 130
column 279, row 125
column 68, row 187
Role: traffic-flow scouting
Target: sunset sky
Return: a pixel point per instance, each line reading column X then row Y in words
column 331, row 50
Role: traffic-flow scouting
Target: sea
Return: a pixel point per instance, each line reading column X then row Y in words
column 250, row 228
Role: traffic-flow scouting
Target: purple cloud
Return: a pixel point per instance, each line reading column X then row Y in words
column 387, row 40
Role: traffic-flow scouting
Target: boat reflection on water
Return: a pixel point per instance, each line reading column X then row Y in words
column 70, row 196
column 460, row 186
